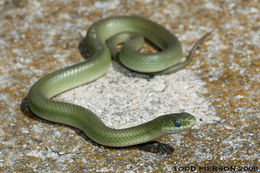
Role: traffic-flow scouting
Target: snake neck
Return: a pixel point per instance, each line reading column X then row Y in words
column 125, row 137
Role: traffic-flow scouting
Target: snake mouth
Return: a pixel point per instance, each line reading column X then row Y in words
column 177, row 130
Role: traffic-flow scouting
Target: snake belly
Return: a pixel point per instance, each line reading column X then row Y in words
column 101, row 39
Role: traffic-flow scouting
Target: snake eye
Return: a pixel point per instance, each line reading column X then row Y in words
column 177, row 123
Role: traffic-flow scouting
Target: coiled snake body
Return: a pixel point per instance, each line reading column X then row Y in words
column 101, row 39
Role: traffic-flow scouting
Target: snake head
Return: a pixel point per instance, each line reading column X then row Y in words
column 177, row 122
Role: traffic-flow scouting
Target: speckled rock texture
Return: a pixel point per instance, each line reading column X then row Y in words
column 220, row 87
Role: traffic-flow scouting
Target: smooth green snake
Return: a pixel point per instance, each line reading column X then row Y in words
column 101, row 40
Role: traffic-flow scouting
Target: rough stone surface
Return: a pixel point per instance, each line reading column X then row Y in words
column 220, row 87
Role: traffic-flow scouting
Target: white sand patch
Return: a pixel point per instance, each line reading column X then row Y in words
column 124, row 99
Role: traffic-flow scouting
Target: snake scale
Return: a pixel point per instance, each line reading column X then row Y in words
column 101, row 40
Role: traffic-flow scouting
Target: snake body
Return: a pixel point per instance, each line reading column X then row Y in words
column 101, row 39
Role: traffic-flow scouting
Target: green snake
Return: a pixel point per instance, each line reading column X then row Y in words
column 101, row 41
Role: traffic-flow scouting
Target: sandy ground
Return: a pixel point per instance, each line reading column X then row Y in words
column 220, row 87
